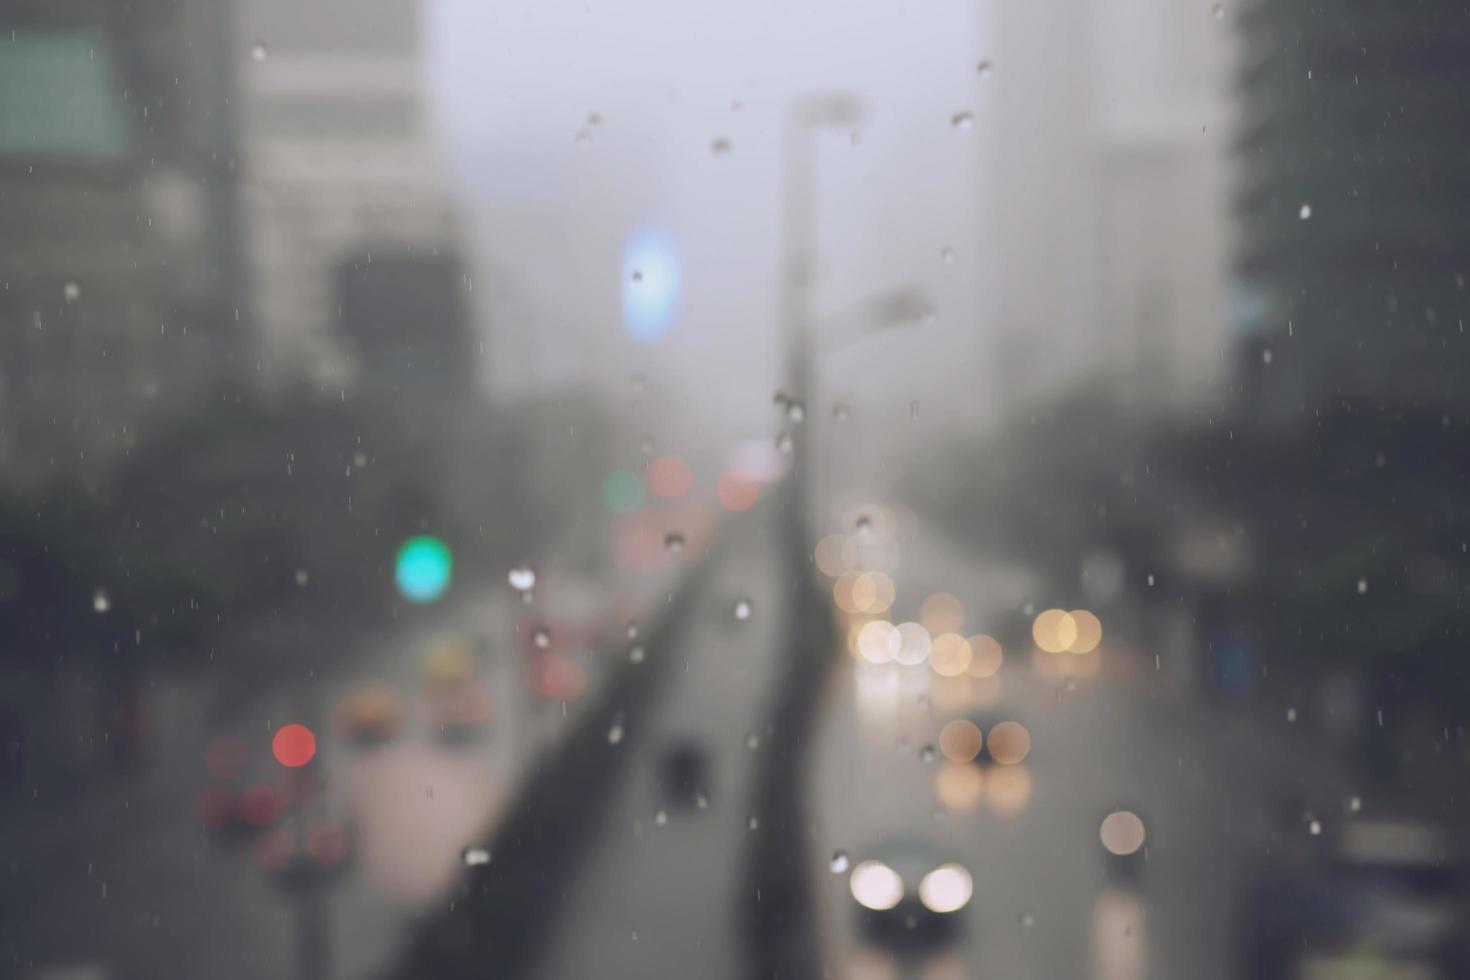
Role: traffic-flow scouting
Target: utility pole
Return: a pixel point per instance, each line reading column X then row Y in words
column 799, row 232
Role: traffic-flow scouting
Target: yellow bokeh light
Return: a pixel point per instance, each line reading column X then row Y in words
column 1009, row 743
column 879, row 642
column 942, row 613
column 1008, row 790
column 959, row 785
column 873, row 592
column 985, row 656
column 1089, row 631
column 960, row 740
column 949, row 654
column 1054, row 630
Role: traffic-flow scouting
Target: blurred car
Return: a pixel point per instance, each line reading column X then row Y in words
column 370, row 714
column 455, row 703
column 686, row 774
column 449, row 662
column 906, row 892
column 1007, row 740
column 458, row 712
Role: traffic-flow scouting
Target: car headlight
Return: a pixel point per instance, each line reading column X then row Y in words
column 946, row 889
column 876, row 886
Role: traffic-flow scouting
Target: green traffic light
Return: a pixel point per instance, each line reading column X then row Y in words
column 423, row 568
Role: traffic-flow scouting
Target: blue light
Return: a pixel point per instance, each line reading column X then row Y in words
column 650, row 285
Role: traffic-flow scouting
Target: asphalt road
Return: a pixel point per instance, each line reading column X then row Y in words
column 1222, row 795
column 660, row 893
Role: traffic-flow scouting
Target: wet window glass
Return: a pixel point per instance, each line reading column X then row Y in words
column 912, row 489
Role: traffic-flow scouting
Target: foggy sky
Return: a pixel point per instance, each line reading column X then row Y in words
column 513, row 82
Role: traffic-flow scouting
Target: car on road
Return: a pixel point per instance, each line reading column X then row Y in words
column 460, row 712
column 907, row 892
column 370, row 715
column 455, row 703
column 1003, row 739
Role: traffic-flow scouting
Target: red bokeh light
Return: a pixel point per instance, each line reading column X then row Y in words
column 735, row 493
column 559, row 679
column 294, row 745
column 670, row 476
column 225, row 758
column 262, row 805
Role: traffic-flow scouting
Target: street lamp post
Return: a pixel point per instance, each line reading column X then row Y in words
column 798, row 226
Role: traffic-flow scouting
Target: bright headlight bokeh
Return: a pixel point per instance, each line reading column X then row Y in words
column 879, row 642
column 914, row 643
column 946, row 889
column 876, row 886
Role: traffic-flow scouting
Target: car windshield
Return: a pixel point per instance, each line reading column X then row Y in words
column 915, row 489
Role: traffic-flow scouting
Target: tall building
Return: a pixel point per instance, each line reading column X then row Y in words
column 1351, row 204
column 1106, row 199
column 346, row 195
column 120, row 271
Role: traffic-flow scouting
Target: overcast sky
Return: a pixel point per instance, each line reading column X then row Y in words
column 514, row 81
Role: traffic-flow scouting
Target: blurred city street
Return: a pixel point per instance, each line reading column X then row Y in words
column 901, row 491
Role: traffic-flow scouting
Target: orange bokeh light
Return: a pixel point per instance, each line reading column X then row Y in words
column 985, row 656
column 669, row 477
column 736, row 493
column 960, row 740
column 1009, row 743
